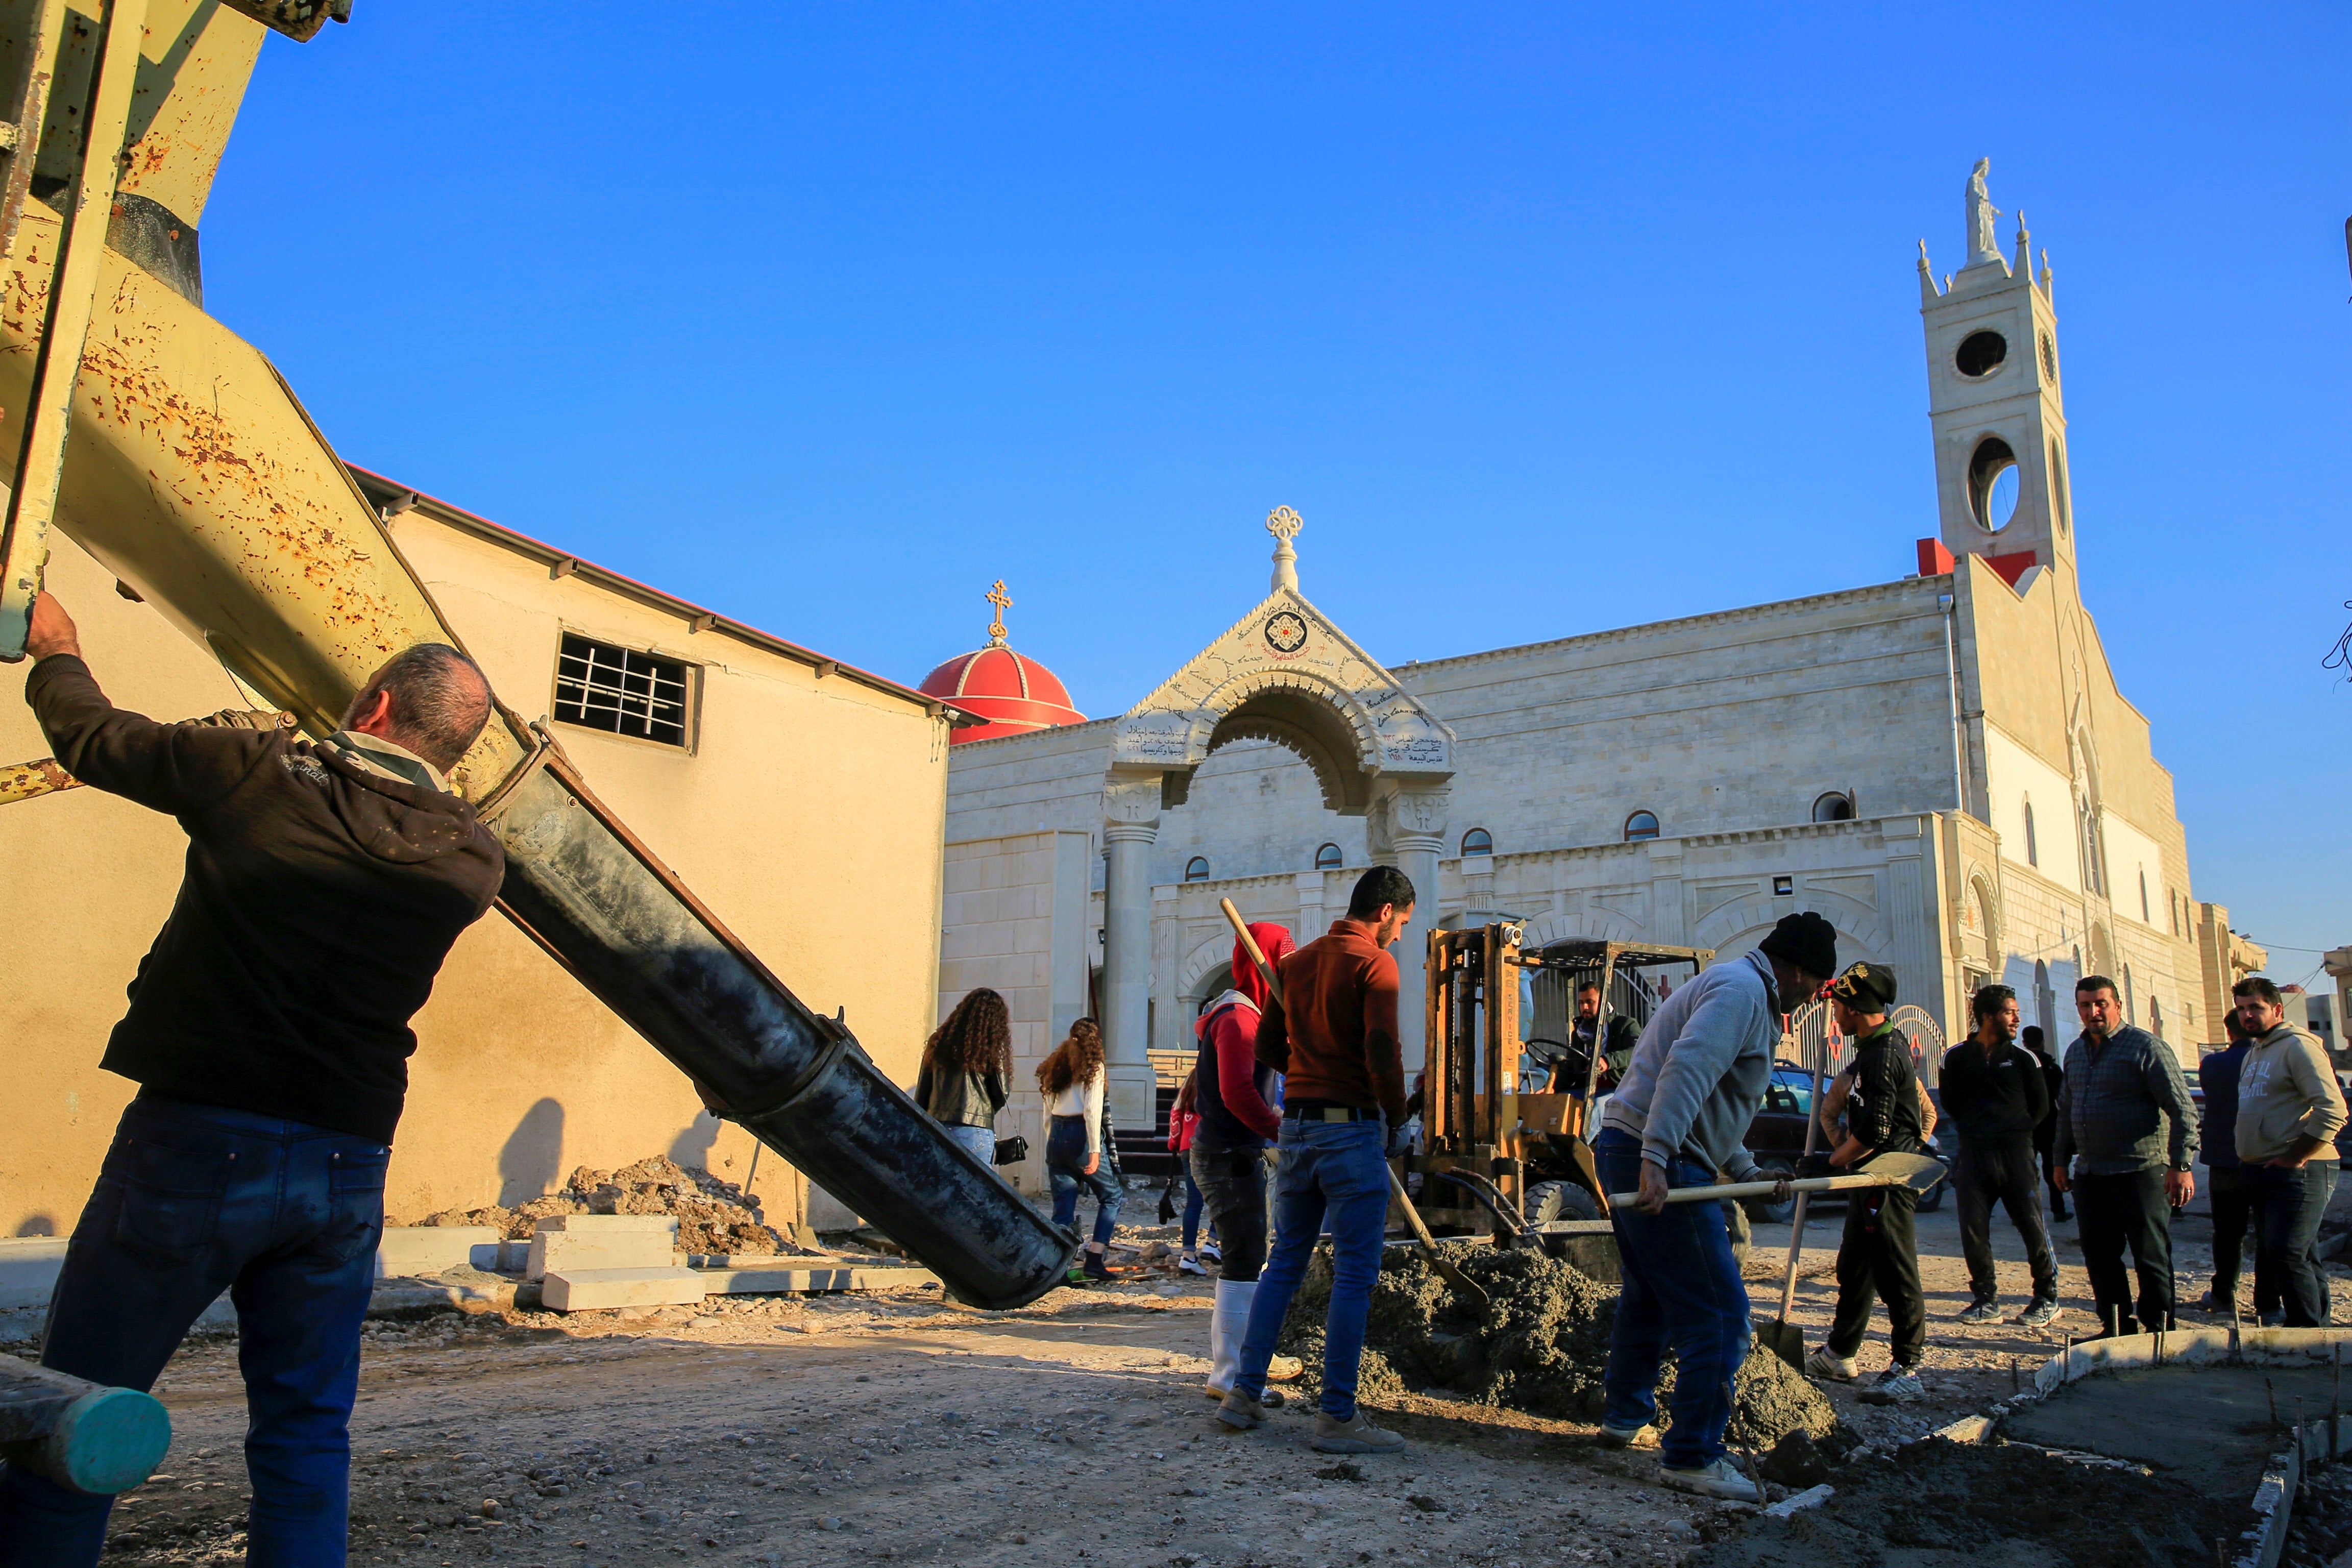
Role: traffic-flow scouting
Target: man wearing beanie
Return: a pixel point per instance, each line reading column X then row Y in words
column 1681, row 1115
column 1885, row 1113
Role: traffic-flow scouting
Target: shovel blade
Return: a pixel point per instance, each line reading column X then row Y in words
column 1916, row 1172
column 1784, row 1340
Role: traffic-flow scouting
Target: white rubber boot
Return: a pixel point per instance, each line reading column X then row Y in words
column 1228, row 1320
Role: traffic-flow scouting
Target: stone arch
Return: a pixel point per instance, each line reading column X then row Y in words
column 1324, row 726
column 1749, row 918
column 1201, row 964
column 1591, row 925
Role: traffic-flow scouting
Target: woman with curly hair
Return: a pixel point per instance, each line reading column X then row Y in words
column 967, row 1072
column 1072, row 1080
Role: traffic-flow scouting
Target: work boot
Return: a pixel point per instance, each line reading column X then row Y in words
column 1719, row 1479
column 1642, row 1437
column 1097, row 1266
column 2220, row 1303
column 1896, row 1386
column 1983, row 1309
column 1241, row 1413
column 1356, row 1435
column 2038, row 1312
column 1832, row 1368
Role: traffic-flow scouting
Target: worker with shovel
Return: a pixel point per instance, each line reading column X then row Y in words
column 1879, row 1095
column 1681, row 1115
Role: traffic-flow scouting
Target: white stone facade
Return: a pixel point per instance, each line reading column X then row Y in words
column 1871, row 754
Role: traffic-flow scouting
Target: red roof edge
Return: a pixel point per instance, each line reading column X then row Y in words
column 2013, row 567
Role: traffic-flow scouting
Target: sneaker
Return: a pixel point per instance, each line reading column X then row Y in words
column 1188, row 1264
column 1719, row 1479
column 1356, row 1435
column 1272, row 1399
column 1834, row 1368
column 1213, row 1252
column 1240, row 1412
column 1283, row 1369
column 1896, row 1386
column 2218, row 1304
column 1642, row 1437
column 1983, row 1309
column 2039, row 1313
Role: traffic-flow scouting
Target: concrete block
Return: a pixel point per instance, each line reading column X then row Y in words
column 408, row 1249
column 28, row 1270
column 568, row 1243
column 514, row 1256
column 583, row 1290
column 786, row 1275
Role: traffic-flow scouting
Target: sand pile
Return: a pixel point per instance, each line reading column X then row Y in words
column 1539, row 1347
column 1938, row 1503
column 713, row 1216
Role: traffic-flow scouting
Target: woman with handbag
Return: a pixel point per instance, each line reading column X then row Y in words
column 967, row 1072
column 1072, row 1080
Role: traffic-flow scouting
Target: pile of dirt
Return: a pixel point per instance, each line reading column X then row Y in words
column 1936, row 1503
column 713, row 1216
column 1539, row 1346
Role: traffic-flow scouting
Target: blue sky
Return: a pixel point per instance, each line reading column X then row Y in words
column 828, row 317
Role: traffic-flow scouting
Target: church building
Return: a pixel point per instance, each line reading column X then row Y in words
column 1997, row 813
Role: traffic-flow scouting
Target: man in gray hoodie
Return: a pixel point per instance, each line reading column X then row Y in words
column 1680, row 1116
column 2289, row 1112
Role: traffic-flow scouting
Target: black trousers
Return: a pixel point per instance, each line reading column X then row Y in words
column 1878, row 1259
column 1232, row 1185
column 2047, row 1153
column 2225, row 1190
column 2127, row 1210
column 2008, row 1173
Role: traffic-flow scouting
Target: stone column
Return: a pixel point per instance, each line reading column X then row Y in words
column 1130, row 824
column 1666, row 913
column 1415, row 818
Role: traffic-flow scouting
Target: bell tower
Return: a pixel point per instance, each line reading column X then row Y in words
column 1995, row 401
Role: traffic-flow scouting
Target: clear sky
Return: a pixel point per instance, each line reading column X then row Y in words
column 1548, row 319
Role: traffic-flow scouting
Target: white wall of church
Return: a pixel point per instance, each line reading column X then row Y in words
column 2016, row 776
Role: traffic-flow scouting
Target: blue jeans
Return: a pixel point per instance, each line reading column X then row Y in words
column 1192, row 1202
column 1066, row 1151
column 980, row 1142
column 2287, row 1207
column 1681, row 1285
column 193, row 1200
column 1334, row 1172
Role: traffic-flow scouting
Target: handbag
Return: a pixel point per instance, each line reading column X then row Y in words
column 1012, row 1151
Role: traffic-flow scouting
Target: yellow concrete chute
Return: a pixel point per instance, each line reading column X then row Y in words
column 184, row 464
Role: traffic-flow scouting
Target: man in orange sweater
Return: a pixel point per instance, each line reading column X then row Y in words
column 1333, row 1033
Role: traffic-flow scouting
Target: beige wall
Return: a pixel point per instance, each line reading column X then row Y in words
column 801, row 798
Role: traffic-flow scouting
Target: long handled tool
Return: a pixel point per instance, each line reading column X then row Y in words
column 1470, row 1289
column 1780, row 1336
column 1916, row 1172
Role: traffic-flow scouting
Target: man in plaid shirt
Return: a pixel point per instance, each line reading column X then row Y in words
column 2126, row 1137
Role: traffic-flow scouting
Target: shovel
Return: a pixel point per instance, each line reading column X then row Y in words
column 1916, row 1172
column 1468, row 1288
column 1780, row 1336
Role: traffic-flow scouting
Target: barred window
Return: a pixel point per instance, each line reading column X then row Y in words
column 620, row 689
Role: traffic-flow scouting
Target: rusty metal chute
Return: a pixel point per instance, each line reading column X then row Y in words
column 189, row 469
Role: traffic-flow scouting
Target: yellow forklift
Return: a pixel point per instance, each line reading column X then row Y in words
column 1501, row 1154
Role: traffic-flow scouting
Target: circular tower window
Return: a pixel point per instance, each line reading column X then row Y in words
column 1980, row 354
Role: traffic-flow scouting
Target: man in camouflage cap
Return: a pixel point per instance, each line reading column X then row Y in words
column 1884, row 1110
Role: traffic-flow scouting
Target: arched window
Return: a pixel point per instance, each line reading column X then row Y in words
column 1477, row 841
column 1834, row 806
column 2033, row 849
column 2045, row 1003
column 1640, row 825
column 2131, row 1009
column 1329, row 858
column 1196, row 870
column 2155, row 1017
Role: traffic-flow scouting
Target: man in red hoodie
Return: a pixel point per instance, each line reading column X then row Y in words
column 1238, row 1125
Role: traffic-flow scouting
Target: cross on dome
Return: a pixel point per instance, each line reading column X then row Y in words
column 997, row 596
column 1284, row 524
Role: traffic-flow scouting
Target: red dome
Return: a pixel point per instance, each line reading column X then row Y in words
column 1013, row 693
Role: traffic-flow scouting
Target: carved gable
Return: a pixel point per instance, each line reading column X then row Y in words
column 1285, row 673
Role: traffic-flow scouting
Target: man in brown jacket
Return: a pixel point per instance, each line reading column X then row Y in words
column 269, row 1033
column 1332, row 1031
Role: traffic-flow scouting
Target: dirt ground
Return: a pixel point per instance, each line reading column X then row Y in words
column 839, row 1429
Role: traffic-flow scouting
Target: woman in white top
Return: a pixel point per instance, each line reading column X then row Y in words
column 1072, row 1079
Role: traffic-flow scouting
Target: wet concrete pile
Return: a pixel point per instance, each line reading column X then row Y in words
column 1939, row 1504
column 1539, row 1346
column 713, row 1216
column 2320, row 1529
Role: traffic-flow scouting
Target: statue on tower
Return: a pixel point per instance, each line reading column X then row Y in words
column 1982, row 246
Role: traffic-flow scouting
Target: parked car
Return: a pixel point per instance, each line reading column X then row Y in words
column 1777, row 1139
